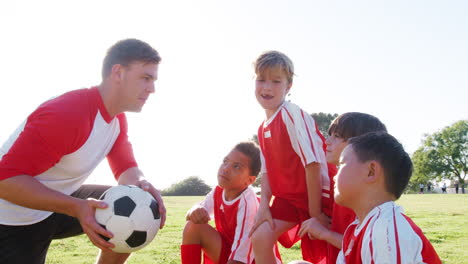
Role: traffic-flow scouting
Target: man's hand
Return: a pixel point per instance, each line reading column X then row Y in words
column 85, row 213
column 147, row 186
column 263, row 215
column 198, row 215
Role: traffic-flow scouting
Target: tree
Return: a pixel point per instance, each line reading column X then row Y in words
column 322, row 120
column 443, row 155
column 188, row 187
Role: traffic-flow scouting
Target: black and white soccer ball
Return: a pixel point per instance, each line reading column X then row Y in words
column 132, row 216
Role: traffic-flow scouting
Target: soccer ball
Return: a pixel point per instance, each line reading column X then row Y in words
column 132, row 216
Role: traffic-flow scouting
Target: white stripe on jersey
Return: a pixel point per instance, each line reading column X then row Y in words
column 386, row 222
column 304, row 139
column 248, row 207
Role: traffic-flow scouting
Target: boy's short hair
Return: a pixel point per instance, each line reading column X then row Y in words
column 127, row 51
column 354, row 124
column 389, row 153
column 272, row 59
column 251, row 150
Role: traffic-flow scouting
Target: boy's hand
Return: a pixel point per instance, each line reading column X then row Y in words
column 324, row 220
column 314, row 228
column 198, row 215
column 263, row 215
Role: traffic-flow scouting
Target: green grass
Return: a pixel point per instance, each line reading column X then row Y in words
column 443, row 218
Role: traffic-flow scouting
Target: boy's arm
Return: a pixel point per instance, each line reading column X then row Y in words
column 314, row 188
column 313, row 227
column 200, row 213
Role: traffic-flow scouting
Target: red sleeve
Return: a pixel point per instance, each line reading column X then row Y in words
column 121, row 157
column 53, row 130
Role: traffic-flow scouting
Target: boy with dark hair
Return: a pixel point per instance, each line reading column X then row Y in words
column 344, row 127
column 233, row 205
column 45, row 162
column 374, row 171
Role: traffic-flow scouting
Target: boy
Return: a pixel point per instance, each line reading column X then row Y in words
column 374, row 171
column 233, row 204
column 343, row 128
column 294, row 168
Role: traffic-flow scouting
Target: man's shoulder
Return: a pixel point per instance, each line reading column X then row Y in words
column 70, row 106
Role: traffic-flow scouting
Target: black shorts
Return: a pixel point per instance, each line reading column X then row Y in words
column 28, row 244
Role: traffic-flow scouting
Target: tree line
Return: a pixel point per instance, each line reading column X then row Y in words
column 441, row 156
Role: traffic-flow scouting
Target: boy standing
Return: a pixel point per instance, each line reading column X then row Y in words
column 233, row 204
column 294, row 168
column 374, row 171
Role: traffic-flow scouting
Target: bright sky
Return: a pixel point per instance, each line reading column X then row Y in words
column 405, row 62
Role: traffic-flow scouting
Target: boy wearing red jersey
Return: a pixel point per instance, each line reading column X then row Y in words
column 294, row 168
column 233, row 205
column 374, row 171
column 343, row 128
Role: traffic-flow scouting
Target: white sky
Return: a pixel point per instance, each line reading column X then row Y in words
column 404, row 61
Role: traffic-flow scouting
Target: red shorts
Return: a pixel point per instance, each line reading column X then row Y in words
column 314, row 251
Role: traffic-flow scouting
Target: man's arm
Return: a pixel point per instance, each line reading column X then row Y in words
column 134, row 176
column 26, row 191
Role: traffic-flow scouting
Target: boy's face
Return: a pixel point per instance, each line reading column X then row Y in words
column 271, row 88
column 348, row 183
column 335, row 145
column 234, row 173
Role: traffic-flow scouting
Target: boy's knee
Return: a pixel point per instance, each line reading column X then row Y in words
column 263, row 236
column 190, row 228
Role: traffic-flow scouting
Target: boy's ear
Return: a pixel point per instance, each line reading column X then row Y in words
column 374, row 171
column 251, row 179
column 289, row 87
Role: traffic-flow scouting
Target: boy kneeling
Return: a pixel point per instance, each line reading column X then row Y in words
column 233, row 204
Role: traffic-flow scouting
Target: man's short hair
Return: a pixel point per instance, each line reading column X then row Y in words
column 354, row 124
column 274, row 59
column 389, row 153
column 252, row 151
column 128, row 51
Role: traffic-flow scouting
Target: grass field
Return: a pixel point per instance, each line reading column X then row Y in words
column 443, row 218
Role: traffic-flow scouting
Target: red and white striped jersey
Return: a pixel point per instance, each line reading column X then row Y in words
column 60, row 144
column 386, row 235
column 289, row 141
column 234, row 220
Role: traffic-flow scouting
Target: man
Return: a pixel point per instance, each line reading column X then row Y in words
column 44, row 163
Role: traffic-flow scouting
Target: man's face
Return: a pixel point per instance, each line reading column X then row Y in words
column 137, row 84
